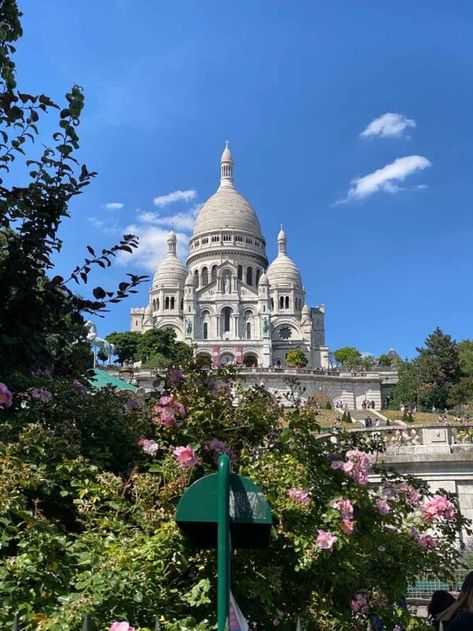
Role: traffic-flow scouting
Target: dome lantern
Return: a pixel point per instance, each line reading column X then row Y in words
column 226, row 166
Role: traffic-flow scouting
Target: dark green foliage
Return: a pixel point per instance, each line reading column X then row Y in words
column 465, row 351
column 126, row 345
column 461, row 393
column 161, row 342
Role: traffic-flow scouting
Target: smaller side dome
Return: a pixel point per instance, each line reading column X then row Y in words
column 305, row 310
column 189, row 280
column 171, row 272
column 263, row 280
column 283, row 272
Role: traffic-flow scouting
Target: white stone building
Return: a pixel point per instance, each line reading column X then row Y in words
column 227, row 300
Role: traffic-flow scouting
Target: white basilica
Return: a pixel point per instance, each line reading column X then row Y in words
column 227, row 301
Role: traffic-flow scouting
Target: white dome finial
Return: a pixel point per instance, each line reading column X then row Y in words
column 172, row 240
column 226, row 165
column 282, row 241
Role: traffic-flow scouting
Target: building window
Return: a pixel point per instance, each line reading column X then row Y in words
column 205, row 240
column 258, row 274
column 172, row 302
column 213, row 273
column 239, row 238
column 227, row 237
column 157, row 304
column 205, row 276
column 166, row 303
column 281, row 302
column 248, row 330
column 226, row 313
column 136, row 322
column 215, row 238
column 285, row 333
column 206, row 331
column 196, row 278
column 154, row 305
column 287, row 302
column 248, row 240
column 182, row 304
column 196, row 244
column 272, row 303
column 240, row 272
column 249, row 276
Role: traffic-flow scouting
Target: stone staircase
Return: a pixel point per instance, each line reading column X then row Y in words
column 358, row 417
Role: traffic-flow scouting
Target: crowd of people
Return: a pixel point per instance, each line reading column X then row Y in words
column 447, row 612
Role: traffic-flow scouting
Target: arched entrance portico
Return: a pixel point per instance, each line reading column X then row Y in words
column 204, row 359
column 250, row 360
column 227, row 359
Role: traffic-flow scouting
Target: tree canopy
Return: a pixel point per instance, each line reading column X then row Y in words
column 296, row 357
column 348, row 356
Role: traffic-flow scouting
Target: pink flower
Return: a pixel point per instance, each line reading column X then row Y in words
column 325, row 540
column 150, row 447
column 344, row 507
column 185, row 457
column 356, row 466
column 299, row 496
column 437, row 508
column 6, row 396
column 121, row 626
column 168, row 409
column 427, row 541
column 41, row 394
column 337, row 464
column 383, row 507
column 347, row 526
column 412, row 495
column 165, row 400
column 359, row 604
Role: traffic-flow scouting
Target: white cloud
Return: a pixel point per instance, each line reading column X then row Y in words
column 385, row 179
column 152, row 230
column 113, row 206
column 176, row 196
column 387, row 125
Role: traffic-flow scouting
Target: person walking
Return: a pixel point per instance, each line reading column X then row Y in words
column 459, row 615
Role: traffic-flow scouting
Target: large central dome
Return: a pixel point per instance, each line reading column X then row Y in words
column 227, row 209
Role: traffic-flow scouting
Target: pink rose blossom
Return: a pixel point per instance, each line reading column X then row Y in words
column 6, row 396
column 356, row 466
column 437, row 508
column 150, row 447
column 299, row 496
column 325, row 540
column 344, row 507
column 412, row 495
column 427, row 541
column 185, row 457
column 359, row 604
column 165, row 400
column 121, row 626
column 348, row 526
column 383, row 507
column 167, row 411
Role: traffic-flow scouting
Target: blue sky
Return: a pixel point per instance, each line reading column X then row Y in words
column 380, row 223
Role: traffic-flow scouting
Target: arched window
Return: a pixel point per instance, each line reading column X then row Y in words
column 249, row 276
column 157, row 304
column 172, row 302
column 281, row 302
column 240, row 273
column 196, row 278
column 204, row 276
column 287, row 302
column 166, row 303
column 248, row 330
column 272, row 303
column 248, row 314
column 226, row 313
column 213, row 274
column 154, row 305
column 182, row 304
column 206, row 330
column 258, row 274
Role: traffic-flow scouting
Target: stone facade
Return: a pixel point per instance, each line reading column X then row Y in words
column 227, row 300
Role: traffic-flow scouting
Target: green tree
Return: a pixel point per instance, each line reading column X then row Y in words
column 465, row 351
column 385, row 360
column 406, row 390
column 126, row 344
column 296, row 358
column 348, row 356
column 438, row 364
column 461, row 393
column 162, row 342
column 41, row 318
column 102, row 355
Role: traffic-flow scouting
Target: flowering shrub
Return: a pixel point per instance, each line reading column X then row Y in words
column 89, row 482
